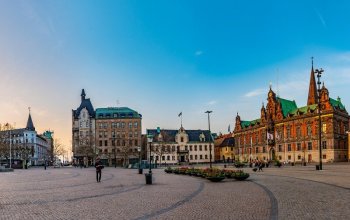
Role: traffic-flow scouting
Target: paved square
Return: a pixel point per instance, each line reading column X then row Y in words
column 277, row 193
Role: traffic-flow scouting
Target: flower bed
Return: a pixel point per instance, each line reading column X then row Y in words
column 213, row 174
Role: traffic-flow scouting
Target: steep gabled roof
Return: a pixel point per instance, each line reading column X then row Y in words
column 85, row 103
column 287, row 106
column 30, row 125
column 304, row 109
column 337, row 104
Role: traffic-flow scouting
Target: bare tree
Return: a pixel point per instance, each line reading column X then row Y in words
column 125, row 151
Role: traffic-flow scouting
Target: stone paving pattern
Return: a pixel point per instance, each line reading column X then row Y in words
column 276, row 193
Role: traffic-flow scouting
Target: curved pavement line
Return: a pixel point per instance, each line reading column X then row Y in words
column 41, row 202
column 273, row 201
column 173, row 206
column 315, row 181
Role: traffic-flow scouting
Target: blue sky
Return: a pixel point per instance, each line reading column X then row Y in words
column 165, row 57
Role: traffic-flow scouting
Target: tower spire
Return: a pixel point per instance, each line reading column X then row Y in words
column 312, row 97
column 30, row 125
column 83, row 95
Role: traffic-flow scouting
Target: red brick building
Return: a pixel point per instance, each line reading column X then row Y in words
column 287, row 132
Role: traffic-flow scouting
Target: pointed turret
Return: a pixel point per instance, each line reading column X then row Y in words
column 30, row 125
column 83, row 95
column 312, row 98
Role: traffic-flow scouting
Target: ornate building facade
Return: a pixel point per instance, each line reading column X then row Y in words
column 289, row 133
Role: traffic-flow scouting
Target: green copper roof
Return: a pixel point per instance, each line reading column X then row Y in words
column 48, row 134
column 245, row 124
column 287, row 106
column 304, row 109
column 337, row 103
column 117, row 112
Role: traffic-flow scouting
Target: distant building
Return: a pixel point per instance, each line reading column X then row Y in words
column 224, row 148
column 181, row 146
column 113, row 134
column 27, row 147
column 287, row 132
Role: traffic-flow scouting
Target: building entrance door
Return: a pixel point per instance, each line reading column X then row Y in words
column 309, row 159
column 182, row 158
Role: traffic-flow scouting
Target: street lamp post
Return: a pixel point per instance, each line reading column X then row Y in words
column 319, row 72
column 208, row 112
column 140, row 169
column 149, row 174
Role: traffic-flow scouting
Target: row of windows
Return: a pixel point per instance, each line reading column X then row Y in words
column 117, row 125
column 172, row 148
column 118, row 143
column 118, row 134
column 119, row 150
column 195, row 157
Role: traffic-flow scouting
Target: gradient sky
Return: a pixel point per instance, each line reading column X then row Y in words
column 165, row 57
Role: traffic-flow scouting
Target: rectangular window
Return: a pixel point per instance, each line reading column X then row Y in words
column 173, row 157
column 205, row 147
column 190, row 148
column 130, row 142
column 130, row 125
column 309, row 145
column 195, row 147
column 324, row 144
column 105, row 134
column 136, row 142
column 101, row 143
column 289, row 157
column 168, row 157
column 264, row 149
column 200, row 157
column 200, row 148
column 280, row 148
column 206, row 156
column 299, row 157
column 195, row 157
column 298, row 146
column 324, row 156
column 106, row 143
column 257, row 150
column 191, row 157
column 186, row 148
column 135, row 124
column 324, row 127
column 163, row 157
column 289, row 147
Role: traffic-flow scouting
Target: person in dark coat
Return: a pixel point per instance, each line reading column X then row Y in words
column 99, row 167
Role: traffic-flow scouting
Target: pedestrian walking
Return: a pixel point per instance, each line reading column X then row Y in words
column 99, row 167
column 261, row 165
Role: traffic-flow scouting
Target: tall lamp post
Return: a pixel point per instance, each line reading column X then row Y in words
column 140, row 169
column 208, row 112
column 149, row 174
column 319, row 73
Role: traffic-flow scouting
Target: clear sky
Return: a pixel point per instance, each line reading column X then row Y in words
column 161, row 58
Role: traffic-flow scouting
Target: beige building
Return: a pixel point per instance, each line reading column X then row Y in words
column 181, row 146
column 118, row 135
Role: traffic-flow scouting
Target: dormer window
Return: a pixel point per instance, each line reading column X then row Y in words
column 202, row 137
column 182, row 139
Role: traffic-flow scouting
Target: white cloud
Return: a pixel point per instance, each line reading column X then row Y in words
column 212, row 102
column 255, row 92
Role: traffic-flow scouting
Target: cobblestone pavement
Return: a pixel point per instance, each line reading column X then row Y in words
column 277, row 193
